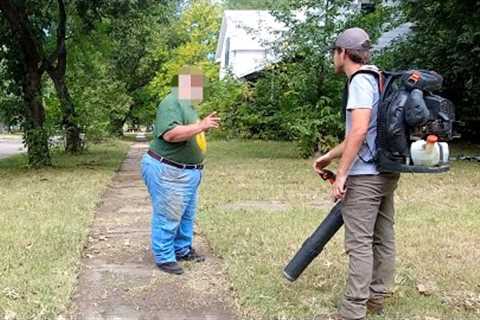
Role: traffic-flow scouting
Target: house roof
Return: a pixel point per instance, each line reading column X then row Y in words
column 391, row 36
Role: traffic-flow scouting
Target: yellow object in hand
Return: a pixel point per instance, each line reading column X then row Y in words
column 201, row 141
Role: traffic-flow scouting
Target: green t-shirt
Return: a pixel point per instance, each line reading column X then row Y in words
column 170, row 113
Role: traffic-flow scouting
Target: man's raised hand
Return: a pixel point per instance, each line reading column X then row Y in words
column 210, row 121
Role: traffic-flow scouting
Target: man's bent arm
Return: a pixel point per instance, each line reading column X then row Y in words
column 186, row 132
column 182, row 132
column 354, row 140
column 337, row 151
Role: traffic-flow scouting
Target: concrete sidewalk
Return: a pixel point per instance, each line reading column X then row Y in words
column 119, row 279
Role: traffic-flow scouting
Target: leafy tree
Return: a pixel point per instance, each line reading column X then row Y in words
column 139, row 40
column 248, row 4
column 29, row 29
column 197, row 31
column 445, row 38
column 100, row 97
column 10, row 99
column 233, row 100
column 111, row 59
column 299, row 99
column 23, row 41
column 56, row 66
column 135, row 34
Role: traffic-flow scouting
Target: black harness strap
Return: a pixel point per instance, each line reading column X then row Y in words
column 380, row 81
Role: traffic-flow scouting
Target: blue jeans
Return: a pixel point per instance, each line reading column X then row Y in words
column 173, row 192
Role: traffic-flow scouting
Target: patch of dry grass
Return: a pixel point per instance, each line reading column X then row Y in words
column 44, row 219
column 438, row 218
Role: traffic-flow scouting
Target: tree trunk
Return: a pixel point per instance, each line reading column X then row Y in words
column 73, row 143
column 36, row 137
column 72, row 131
column 116, row 127
column 117, row 124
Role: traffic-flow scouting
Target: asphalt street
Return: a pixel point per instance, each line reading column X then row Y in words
column 10, row 146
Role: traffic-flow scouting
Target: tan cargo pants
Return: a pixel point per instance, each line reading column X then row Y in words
column 368, row 213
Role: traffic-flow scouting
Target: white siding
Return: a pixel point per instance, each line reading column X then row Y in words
column 245, row 36
column 248, row 33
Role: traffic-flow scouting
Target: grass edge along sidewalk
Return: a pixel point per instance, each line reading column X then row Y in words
column 44, row 220
column 258, row 203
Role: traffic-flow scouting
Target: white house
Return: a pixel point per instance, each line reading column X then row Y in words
column 243, row 45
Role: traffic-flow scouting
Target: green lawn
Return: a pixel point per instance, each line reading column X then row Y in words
column 438, row 223
column 44, row 219
column 10, row 136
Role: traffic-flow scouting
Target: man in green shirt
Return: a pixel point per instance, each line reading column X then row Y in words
column 172, row 170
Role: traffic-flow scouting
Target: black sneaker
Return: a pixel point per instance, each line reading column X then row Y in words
column 192, row 255
column 170, row 267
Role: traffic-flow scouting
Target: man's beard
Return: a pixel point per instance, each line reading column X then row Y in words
column 339, row 69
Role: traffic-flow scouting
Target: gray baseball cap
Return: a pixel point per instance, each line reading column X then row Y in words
column 353, row 38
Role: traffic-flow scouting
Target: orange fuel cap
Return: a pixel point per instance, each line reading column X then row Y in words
column 432, row 138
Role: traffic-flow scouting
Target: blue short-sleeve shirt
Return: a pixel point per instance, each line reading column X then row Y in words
column 363, row 93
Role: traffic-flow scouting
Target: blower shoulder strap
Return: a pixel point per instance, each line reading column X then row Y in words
column 374, row 72
column 366, row 70
column 380, row 81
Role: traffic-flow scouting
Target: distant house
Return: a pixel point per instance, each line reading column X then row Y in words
column 397, row 33
column 243, row 45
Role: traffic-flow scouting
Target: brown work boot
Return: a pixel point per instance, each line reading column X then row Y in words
column 376, row 306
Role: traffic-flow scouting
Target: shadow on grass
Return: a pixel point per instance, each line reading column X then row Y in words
column 102, row 156
column 252, row 149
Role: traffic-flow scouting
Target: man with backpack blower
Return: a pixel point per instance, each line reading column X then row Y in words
column 366, row 194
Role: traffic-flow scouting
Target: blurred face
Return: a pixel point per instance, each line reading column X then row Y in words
column 190, row 87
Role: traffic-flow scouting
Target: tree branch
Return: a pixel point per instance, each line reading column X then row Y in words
column 18, row 21
column 60, row 53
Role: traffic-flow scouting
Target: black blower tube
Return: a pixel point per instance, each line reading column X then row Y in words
column 312, row 247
